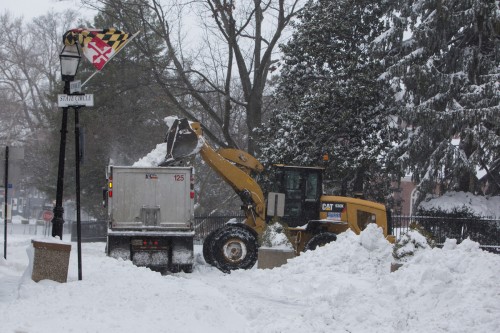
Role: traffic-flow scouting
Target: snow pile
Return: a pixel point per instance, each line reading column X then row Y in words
column 154, row 158
column 457, row 284
column 169, row 120
column 158, row 155
column 479, row 205
column 351, row 253
column 345, row 286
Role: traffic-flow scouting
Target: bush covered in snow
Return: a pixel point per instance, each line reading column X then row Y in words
column 276, row 236
column 461, row 204
column 415, row 240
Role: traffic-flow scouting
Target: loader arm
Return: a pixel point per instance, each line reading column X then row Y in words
column 234, row 167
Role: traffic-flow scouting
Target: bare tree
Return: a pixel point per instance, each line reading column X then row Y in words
column 227, row 68
column 15, row 72
column 29, row 63
column 29, row 77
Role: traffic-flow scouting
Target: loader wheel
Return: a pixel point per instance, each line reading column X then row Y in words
column 234, row 247
column 320, row 240
column 207, row 248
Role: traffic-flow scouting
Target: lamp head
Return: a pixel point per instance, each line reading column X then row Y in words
column 70, row 59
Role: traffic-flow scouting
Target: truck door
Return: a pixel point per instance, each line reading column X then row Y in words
column 293, row 197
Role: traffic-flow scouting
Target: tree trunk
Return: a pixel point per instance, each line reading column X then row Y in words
column 254, row 121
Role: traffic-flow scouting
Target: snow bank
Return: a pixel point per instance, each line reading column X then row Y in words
column 449, row 290
column 479, row 205
column 345, row 286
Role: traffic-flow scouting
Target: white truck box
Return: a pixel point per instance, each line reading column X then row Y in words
column 151, row 216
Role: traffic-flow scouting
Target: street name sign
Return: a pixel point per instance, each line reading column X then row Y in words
column 75, row 100
column 75, row 86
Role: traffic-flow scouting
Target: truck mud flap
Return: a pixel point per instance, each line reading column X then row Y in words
column 118, row 247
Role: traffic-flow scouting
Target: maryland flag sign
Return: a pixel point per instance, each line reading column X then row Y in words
column 98, row 46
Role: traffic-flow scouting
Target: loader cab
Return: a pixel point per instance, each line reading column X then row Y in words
column 302, row 187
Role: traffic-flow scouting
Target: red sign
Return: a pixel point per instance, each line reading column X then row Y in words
column 47, row 215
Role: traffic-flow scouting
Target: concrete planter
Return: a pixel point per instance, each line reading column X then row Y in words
column 269, row 257
column 50, row 261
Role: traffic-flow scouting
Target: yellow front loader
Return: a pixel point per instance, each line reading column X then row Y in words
column 297, row 198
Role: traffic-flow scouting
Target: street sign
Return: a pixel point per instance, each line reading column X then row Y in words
column 75, row 100
column 47, row 215
column 75, row 86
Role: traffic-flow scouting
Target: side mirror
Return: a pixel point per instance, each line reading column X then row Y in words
column 276, row 204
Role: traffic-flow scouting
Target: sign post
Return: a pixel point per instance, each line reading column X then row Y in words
column 76, row 99
column 5, row 183
column 17, row 153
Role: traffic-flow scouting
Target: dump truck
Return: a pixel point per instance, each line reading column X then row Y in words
column 151, row 216
column 313, row 218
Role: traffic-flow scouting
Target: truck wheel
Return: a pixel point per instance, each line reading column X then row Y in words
column 234, row 247
column 320, row 240
column 187, row 268
column 207, row 248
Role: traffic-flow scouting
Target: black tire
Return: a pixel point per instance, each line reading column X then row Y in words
column 320, row 240
column 187, row 268
column 207, row 248
column 234, row 247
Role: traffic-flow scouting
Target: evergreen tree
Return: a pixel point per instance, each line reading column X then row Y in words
column 330, row 98
column 443, row 57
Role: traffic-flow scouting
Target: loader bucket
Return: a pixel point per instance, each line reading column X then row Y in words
column 181, row 141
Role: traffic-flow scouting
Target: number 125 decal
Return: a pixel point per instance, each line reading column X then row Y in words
column 179, row 178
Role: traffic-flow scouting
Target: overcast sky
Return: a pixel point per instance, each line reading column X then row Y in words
column 32, row 8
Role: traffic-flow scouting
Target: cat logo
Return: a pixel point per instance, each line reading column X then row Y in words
column 327, row 206
column 332, row 207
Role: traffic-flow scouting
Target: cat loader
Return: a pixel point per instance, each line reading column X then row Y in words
column 312, row 218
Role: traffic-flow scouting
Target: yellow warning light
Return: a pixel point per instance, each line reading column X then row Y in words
column 110, row 184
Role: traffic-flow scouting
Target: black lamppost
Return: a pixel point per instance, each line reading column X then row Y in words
column 70, row 59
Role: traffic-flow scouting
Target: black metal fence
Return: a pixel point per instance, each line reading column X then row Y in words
column 96, row 231
column 203, row 225
column 92, row 231
column 484, row 231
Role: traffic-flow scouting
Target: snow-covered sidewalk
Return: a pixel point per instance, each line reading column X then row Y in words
column 345, row 286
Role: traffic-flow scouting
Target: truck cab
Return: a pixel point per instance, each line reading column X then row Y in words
column 302, row 187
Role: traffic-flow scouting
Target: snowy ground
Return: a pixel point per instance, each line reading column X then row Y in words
column 345, row 286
